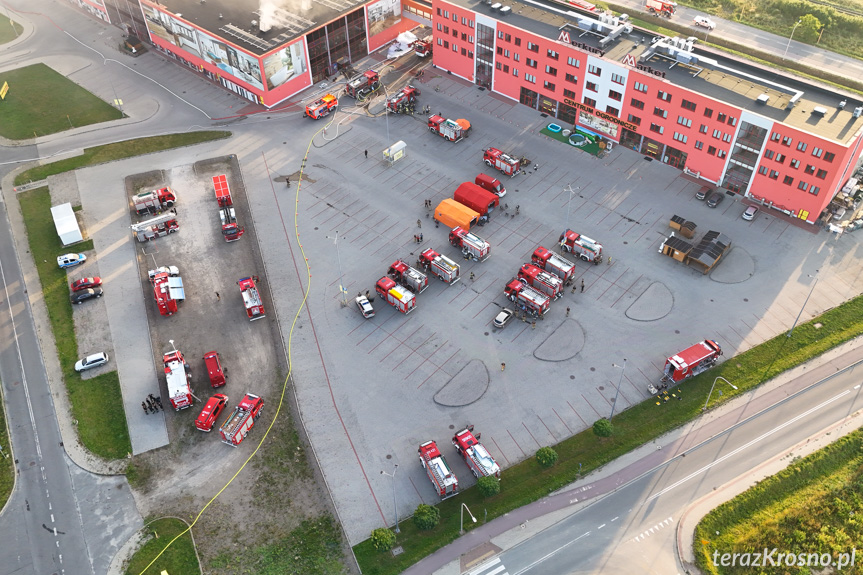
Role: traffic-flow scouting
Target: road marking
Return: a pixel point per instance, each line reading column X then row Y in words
column 541, row 559
column 601, row 526
column 485, row 566
column 747, row 445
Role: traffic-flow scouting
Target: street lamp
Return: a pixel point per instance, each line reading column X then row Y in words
column 711, row 390
column 339, row 258
column 395, row 505
column 804, row 302
column 569, row 203
column 622, row 371
column 789, row 38
column 461, row 525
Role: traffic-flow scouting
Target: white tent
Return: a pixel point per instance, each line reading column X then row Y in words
column 66, row 224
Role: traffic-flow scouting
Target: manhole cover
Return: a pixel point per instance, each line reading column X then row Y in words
column 601, row 388
column 592, row 369
column 389, row 456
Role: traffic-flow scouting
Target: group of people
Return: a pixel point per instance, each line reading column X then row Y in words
column 152, row 404
column 369, row 296
column 418, row 238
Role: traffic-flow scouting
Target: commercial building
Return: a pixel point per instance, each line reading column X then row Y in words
column 786, row 143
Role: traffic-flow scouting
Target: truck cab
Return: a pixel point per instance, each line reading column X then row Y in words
column 491, row 184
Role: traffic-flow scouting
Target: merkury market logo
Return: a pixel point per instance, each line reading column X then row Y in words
column 629, row 60
column 564, row 37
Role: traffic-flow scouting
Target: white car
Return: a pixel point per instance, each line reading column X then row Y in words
column 704, row 22
column 503, row 318
column 750, row 213
column 92, row 361
column 71, row 260
column 172, row 271
column 365, row 306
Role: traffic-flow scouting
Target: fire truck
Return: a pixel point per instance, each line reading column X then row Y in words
column 409, row 277
column 404, row 101
column 450, row 130
column 551, row 262
column 364, row 84
column 231, row 230
column 474, row 453
column 505, row 163
column 213, row 363
column 155, row 201
column 439, row 266
column 472, row 246
column 157, row 227
column 422, row 48
column 237, row 426
column 321, row 107
column 251, row 299
column 397, row 296
column 438, row 470
column 661, row 7
column 167, row 290
column 587, row 249
column 223, row 191
column 177, row 375
column 542, row 281
column 525, row 297
column 691, row 361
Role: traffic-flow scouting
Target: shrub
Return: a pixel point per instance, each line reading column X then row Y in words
column 546, row 456
column 426, row 517
column 383, row 539
column 603, row 428
column 488, row 486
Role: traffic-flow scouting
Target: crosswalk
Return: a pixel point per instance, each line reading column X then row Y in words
column 493, row 567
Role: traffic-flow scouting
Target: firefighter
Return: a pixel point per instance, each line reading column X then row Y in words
column 472, row 277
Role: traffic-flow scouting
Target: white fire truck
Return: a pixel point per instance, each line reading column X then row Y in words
column 155, row 201
column 540, row 280
column 551, row 262
column 526, row 298
column 444, row 480
column 474, row 453
column 587, row 249
column 409, row 277
column 251, row 298
column 450, row 130
column 178, row 376
column 168, row 289
column 439, row 266
column 238, row 425
column 691, row 361
column 161, row 225
column 472, row 246
column 505, row 163
column 397, row 296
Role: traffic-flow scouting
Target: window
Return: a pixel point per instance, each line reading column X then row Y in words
column 618, row 79
column 802, row 186
column 634, row 119
column 455, row 33
column 708, row 113
column 679, row 137
column 769, row 154
column 552, row 54
column 775, row 137
column 717, row 134
column 505, row 52
column 568, row 94
column 637, row 104
column 571, row 78
column 463, row 21
column 438, row 12
column 786, row 141
column 821, row 174
column 732, row 121
column 762, row 170
column 656, row 128
column 446, row 13
column 446, row 29
column 574, row 62
column 590, row 102
column 464, row 52
column 774, row 175
column 703, row 128
column 470, row 55
column 500, row 34
column 591, row 86
column 507, row 37
column 517, row 41
column 516, row 57
column 548, row 86
column 612, row 110
column 439, row 26
column 810, row 169
column 665, row 96
column 454, row 17
column 721, row 154
column 515, row 72
column 801, row 146
column 814, row 190
column 640, row 87
column 446, row 44
column 550, row 70
column 711, row 150
column 615, row 95
column 533, row 47
column 828, row 156
column 780, row 158
column 699, row 145
column 787, row 180
column 720, row 117
column 688, row 105
column 505, row 68
column 794, row 164
column 499, row 51
column 726, row 138
column 530, row 78
column 439, row 42
column 529, row 62
column 498, row 66
column 817, row 152
column 463, row 37
column 683, row 121
column 657, row 111
column 595, row 70
column 455, row 48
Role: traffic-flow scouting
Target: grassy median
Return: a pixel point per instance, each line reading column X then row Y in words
column 640, row 424
column 179, row 559
column 7, row 469
column 9, row 30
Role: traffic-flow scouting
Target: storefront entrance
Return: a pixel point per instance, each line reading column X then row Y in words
column 548, row 106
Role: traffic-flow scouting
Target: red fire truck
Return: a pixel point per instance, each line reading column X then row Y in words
column 542, row 281
column 238, row 425
column 587, row 249
column 472, row 246
column 321, row 107
column 505, row 163
column 474, row 453
column 251, row 298
column 551, row 262
column 155, row 201
column 422, row 48
column 397, row 296
column 167, row 290
column 661, row 7
column 439, row 266
column 231, row 230
column 223, row 192
column 177, row 375
column 691, row 361
column 160, row 226
column 364, row 84
column 525, row 297
column 213, row 363
column 404, row 101
column 450, row 130
column 409, row 277
column 438, row 470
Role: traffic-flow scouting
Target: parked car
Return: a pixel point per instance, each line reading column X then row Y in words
column 92, row 361
column 85, row 283
column 704, row 22
column 702, row 193
column 715, row 199
column 83, row 295
column 503, row 317
column 839, row 213
column 71, row 260
column 365, row 306
column 208, row 416
column 750, row 213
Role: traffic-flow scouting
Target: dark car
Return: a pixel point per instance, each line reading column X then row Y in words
column 715, row 199
column 702, row 193
column 80, row 297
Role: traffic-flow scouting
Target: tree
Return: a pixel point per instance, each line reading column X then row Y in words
column 603, row 428
column 810, row 27
column 426, row 517
column 383, row 539
column 488, row 486
column 546, row 456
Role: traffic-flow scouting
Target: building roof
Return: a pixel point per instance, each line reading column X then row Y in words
column 283, row 20
column 712, row 73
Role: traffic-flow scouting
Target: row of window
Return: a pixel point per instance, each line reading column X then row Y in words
column 795, row 163
column 801, row 146
column 464, row 36
column 465, row 21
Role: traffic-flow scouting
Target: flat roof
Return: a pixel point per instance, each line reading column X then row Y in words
column 281, row 20
column 711, row 73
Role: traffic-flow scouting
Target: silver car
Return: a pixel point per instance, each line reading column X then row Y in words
column 503, row 317
column 92, row 361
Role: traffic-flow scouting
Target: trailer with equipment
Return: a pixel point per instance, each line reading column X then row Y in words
column 238, row 425
column 438, row 470
column 409, row 277
column 582, row 246
column 365, row 83
column 529, row 300
column 504, row 163
column 404, row 101
column 251, row 298
column 157, row 227
column 450, row 130
column 155, row 201
column 551, row 262
column 397, row 296
column 223, row 191
column 168, row 290
column 478, row 199
column 439, row 266
column 541, row 280
column 474, row 453
column 472, row 246
column 177, row 376
column 321, row 107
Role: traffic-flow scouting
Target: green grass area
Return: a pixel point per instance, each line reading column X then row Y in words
column 178, row 559
column 313, row 548
column 9, row 30
column 640, row 424
column 119, row 151
column 7, row 468
column 91, row 399
column 810, row 507
column 590, row 147
column 40, row 102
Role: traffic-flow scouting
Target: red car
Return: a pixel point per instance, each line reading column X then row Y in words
column 86, row 283
column 211, row 412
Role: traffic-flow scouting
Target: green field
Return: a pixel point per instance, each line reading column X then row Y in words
column 9, row 30
column 810, row 507
column 179, row 559
column 7, row 468
column 91, row 399
column 40, row 102
column 118, row 151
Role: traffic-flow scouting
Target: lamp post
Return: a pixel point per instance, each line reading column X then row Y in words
column 461, row 525
column 622, row 371
column 804, row 303
column 569, row 203
column 789, row 38
column 395, row 504
column 711, row 390
column 339, row 259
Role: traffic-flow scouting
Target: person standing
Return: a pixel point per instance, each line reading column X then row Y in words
column 144, row 407
column 502, row 366
column 419, row 223
column 582, row 286
column 367, row 154
column 567, row 312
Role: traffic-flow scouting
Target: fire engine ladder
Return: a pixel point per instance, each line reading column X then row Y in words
column 231, row 425
column 439, row 478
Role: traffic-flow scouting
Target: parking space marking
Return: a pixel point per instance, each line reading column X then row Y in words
column 589, row 405
column 516, row 442
column 518, row 334
column 414, row 350
column 546, row 426
column 576, row 413
column 415, row 489
column 626, row 291
column 439, row 368
column 638, row 392
column 428, row 359
column 637, row 222
column 499, row 450
column 568, row 430
column 389, row 335
column 531, row 434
